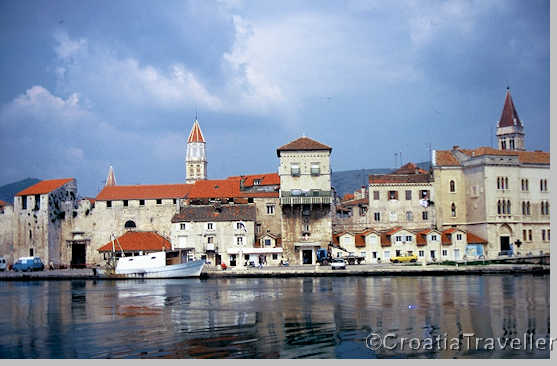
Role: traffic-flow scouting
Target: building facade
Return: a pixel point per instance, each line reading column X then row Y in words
column 305, row 199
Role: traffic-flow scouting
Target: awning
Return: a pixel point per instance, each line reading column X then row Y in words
column 307, row 244
column 253, row 250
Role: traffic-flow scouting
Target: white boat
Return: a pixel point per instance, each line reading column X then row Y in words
column 154, row 265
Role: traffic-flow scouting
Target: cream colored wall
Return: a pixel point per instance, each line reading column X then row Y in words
column 267, row 221
column 305, row 181
column 399, row 207
column 444, row 198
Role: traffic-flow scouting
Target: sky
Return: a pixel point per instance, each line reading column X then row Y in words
column 86, row 84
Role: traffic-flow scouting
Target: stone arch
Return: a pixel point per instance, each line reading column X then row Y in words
column 130, row 224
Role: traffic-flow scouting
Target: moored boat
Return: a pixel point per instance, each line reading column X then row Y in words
column 154, row 265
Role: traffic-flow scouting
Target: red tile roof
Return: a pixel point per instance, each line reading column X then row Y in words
column 410, row 168
column 222, row 188
column 421, row 237
column 4, row 203
column 446, row 236
column 269, row 179
column 385, row 239
column 509, row 116
column 362, row 201
column 44, row 187
column 195, row 134
column 144, row 191
column 137, row 240
column 359, row 240
column 474, row 239
column 446, row 158
column 302, row 144
column 348, row 197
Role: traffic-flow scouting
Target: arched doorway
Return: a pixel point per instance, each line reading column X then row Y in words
column 505, row 233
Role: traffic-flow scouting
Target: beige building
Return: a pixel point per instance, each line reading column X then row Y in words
column 502, row 195
column 305, row 199
column 403, row 198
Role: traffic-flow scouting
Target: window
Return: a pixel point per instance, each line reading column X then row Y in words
column 159, row 201
column 545, row 208
column 508, row 207
column 528, row 208
column 398, row 238
column 295, row 169
column 141, row 202
column 529, row 235
column 458, row 236
column 275, row 256
column 37, row 201
column 421, row 253
column 524, row 185
column 129, row 224
column 451, row 186
column 363, row 211
column 377, row 216
column 408, row 195
column 376, row 195
column 109, row 204
column 453, row 210
column 270, row 209
column 424, row 194
column 543, row 235
column 524, row 235
column 315, row 169
column 543, row 185
column 256, row 182
column 511, row 144
column 393, row 195
column 374, row 255
column 183, row 226
column 499, row 207
column 408, row 238
column 210, row 239
column 174, row 201
column 306, row 228
column 258, row 228
column 424, row 215
column 398, row 253
column 523, row 208
column 267, row 242
column 210, row 226
column 434, row 237
column 548, row 234
column 24, row 202
column 240, row 226
column 239, row 240
column 444, row 253
column 502, row 183
column 125, row 203
column 409, row 216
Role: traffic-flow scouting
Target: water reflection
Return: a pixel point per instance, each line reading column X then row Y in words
column 323, row 317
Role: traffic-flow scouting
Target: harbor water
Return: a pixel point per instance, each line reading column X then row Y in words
column 310, row 317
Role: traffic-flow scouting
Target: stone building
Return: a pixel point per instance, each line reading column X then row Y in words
column 40, row 212
column 502, row 195
column 402, row 198
column 217, row 233
column 6, row 231
column 305, row 199
column 352, row 211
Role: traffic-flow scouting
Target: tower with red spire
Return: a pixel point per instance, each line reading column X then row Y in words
column 196, row 155
column 510, row 135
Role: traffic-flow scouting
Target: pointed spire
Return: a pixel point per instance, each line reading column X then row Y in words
column 195, row 134
column 110, row 179
column 509, row 116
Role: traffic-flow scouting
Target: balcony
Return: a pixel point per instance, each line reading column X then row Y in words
column 211, row 247
column 299, row 197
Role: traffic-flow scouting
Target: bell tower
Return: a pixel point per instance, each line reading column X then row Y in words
column 196, row 155
column 510, row 135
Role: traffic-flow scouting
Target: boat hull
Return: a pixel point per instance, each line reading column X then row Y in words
column 183, row 270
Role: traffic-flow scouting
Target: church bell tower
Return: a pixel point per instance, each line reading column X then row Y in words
column 196, row 155
column 510, row 135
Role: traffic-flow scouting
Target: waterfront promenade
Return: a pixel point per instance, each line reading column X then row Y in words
column 309, row 271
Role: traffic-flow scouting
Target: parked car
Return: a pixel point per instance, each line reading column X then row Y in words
column 25, row 264
column 3, row 264
column 338, row 263
column 404, row 259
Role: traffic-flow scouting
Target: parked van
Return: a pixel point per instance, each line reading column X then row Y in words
column 3, row 264
column 25, row 264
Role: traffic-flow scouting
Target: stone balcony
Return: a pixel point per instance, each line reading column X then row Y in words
column 299, row 197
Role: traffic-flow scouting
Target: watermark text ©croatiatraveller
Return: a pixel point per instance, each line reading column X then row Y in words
column 465, row 342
